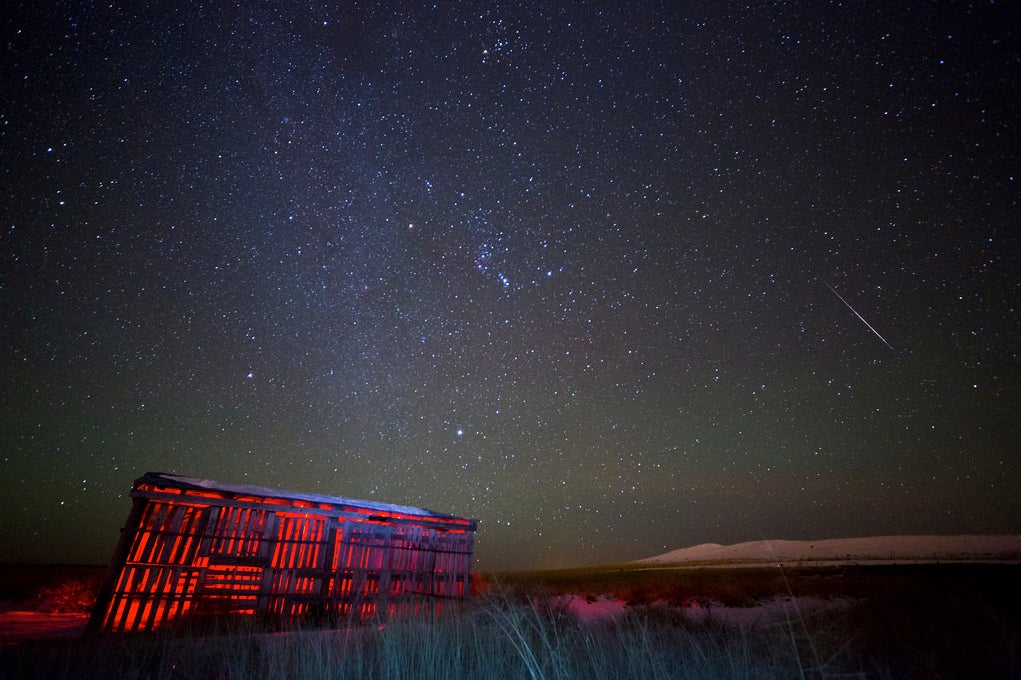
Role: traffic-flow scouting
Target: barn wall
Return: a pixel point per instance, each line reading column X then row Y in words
column 199, row 555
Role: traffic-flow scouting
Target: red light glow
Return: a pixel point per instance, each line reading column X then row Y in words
column 202, row 551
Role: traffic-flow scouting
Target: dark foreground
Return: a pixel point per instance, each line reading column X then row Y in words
column 949, row 620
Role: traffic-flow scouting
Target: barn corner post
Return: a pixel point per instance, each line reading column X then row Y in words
column 104, row 599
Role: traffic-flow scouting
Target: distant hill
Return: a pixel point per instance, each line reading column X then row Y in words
column 850, row 550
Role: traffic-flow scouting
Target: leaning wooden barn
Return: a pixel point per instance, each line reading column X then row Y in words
column 193, row 546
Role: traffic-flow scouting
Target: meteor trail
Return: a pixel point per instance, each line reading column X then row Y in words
column 860, row 316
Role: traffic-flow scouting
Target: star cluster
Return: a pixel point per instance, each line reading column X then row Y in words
column 594, row 274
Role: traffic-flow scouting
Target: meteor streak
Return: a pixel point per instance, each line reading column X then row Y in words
column 860, row 316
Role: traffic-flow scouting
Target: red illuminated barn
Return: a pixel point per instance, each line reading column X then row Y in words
column 192, row 546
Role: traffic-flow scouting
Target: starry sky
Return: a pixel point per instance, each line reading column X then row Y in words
column 613, row 278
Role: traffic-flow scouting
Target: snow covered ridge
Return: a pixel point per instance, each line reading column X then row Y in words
column 963, row 548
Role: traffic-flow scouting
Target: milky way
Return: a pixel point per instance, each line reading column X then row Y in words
column 566, row 270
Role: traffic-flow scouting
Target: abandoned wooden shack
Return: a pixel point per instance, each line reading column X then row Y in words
column 197, row 547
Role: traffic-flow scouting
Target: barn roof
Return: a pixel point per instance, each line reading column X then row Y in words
column 164, row 479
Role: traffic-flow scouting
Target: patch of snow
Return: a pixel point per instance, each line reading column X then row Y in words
column 768, row 612
column 774, row 611
column 588, row 610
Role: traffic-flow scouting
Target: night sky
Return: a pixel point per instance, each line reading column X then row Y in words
column 613, row 279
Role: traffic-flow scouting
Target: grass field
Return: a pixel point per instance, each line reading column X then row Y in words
column 950, row 620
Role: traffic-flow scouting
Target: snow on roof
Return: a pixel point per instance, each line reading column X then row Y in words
column 179, row 481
